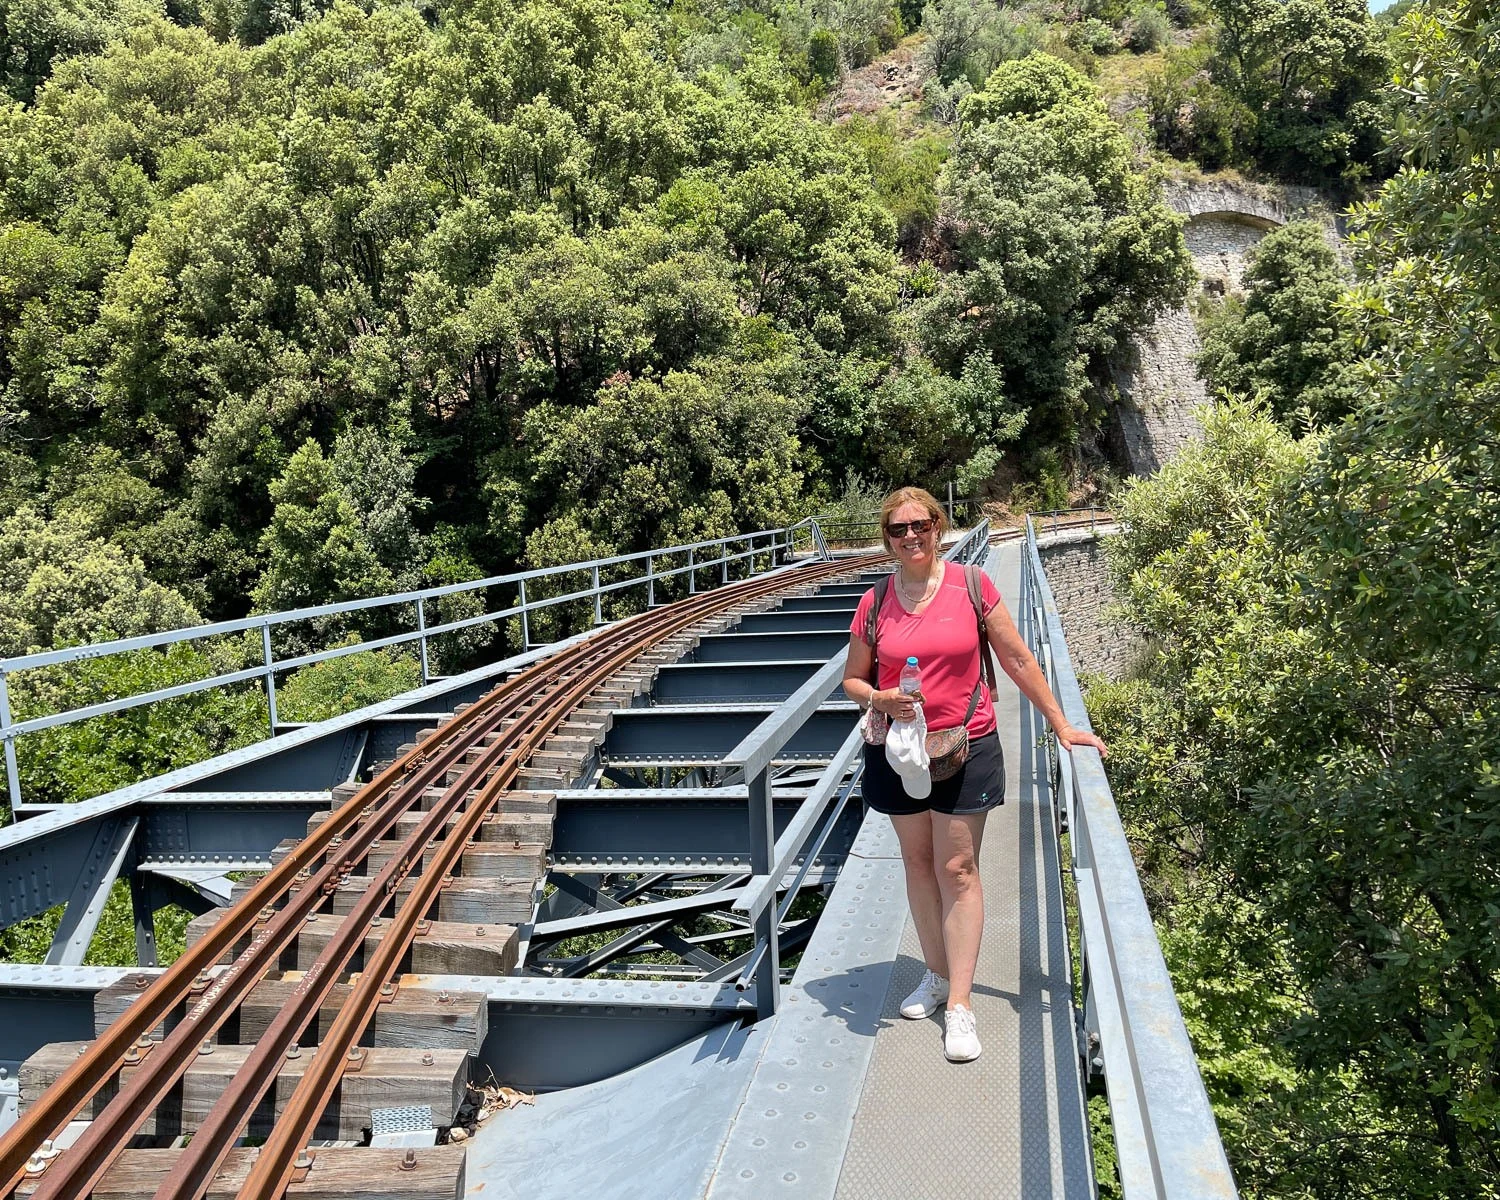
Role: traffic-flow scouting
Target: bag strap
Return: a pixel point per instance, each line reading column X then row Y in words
column 882, row 586
column 974, row 578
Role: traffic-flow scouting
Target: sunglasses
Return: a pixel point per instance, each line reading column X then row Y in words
column 898, row 528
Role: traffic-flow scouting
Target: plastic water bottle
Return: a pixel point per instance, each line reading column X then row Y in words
column 911, row 677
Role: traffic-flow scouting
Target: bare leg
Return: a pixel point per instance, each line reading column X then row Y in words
column 955, row 843
column 922, row 893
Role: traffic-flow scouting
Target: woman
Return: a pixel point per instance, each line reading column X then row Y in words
column 927, row 613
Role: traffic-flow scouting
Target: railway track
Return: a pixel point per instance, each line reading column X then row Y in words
column 351, row 904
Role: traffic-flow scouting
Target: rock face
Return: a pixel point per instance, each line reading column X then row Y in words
column 1079, row 578
column 1157, row 381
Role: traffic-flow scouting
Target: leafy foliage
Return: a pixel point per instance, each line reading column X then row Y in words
column 1290, row 344
column 1059, row 248
column 1290, row 86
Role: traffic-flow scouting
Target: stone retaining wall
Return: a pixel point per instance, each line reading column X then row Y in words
column 1079, row 579
column 1156, row 379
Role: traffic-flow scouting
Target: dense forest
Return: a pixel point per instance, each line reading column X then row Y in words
column 301, row 303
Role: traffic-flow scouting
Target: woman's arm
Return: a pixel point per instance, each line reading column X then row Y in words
column 1017, row 661
column 858, row 668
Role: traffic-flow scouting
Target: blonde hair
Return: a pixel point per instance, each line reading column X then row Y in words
column 912, row 495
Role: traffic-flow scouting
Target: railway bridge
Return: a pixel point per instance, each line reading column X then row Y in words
column 604, row 916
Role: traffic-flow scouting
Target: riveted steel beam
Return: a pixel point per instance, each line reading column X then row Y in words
column 96, row 875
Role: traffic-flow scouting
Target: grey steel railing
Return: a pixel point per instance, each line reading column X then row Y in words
column 715, row 557
column 1167, row 1141
column 770, row 856
column 1096, row 516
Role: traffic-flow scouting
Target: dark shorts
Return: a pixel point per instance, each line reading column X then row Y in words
column 978, row 787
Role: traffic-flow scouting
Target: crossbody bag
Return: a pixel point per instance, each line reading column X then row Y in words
column 948, row 749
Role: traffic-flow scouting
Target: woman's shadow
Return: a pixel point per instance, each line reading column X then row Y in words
column 868, row 998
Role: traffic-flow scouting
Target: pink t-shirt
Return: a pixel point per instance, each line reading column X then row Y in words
column 944, row 637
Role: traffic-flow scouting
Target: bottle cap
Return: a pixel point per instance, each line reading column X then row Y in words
column 911, row 662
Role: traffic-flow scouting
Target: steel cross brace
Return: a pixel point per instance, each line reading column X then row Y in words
column 96, row 877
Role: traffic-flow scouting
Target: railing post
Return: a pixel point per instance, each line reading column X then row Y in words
column 12, row 771
column 724, row 559
column 525, row 620
column 422, row 641
column 762, row 855
column 692, row 573
column 598, row 600
column 950, row 504
column 650, row 581
column 265, row 642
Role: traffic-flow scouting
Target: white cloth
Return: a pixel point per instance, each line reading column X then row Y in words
column 906, row 751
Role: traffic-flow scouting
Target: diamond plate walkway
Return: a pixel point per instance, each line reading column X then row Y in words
column 851, row 1101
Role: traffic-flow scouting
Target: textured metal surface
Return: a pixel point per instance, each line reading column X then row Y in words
column 789, row 1136
column 648, row 1134
column 1012, row 1123
column 405, row 1119
column 693, row 733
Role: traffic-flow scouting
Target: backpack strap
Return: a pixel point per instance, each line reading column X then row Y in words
column 974, row 578
column 882, row 586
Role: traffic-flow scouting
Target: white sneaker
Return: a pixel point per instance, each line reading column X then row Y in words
column 961, row 1037
column 923, row 1002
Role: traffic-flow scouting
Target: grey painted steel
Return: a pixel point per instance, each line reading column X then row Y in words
column 1150, row 1069
column 1020, row 1106
column 614, row 829
column 768, row 647
column 96, row 876
column 795, row 621
column 648, row 1134
column 689, row 734
column 734, row 683
column 822, row 600
column 615, row 918
column 789, row 1136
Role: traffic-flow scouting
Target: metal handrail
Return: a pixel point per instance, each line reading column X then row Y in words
column 777, row 540
column 1166, row 1138
column 771, row 856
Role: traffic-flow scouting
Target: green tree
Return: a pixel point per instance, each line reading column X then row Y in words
column 316, row 548
column 1290, row 343
column 1059, row 248
column 1305, row 74
column 59, row 586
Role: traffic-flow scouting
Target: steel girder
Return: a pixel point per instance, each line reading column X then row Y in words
column 689, row 735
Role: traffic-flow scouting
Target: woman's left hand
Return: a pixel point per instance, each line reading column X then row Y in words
column 1070, row 739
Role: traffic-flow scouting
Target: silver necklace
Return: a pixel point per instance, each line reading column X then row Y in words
column 926, row 590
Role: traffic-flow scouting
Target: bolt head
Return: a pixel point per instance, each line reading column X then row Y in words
column 409, row 1161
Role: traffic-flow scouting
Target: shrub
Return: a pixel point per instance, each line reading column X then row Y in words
column 1148, row 29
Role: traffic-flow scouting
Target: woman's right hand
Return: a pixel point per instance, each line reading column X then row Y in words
column 896, row 704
